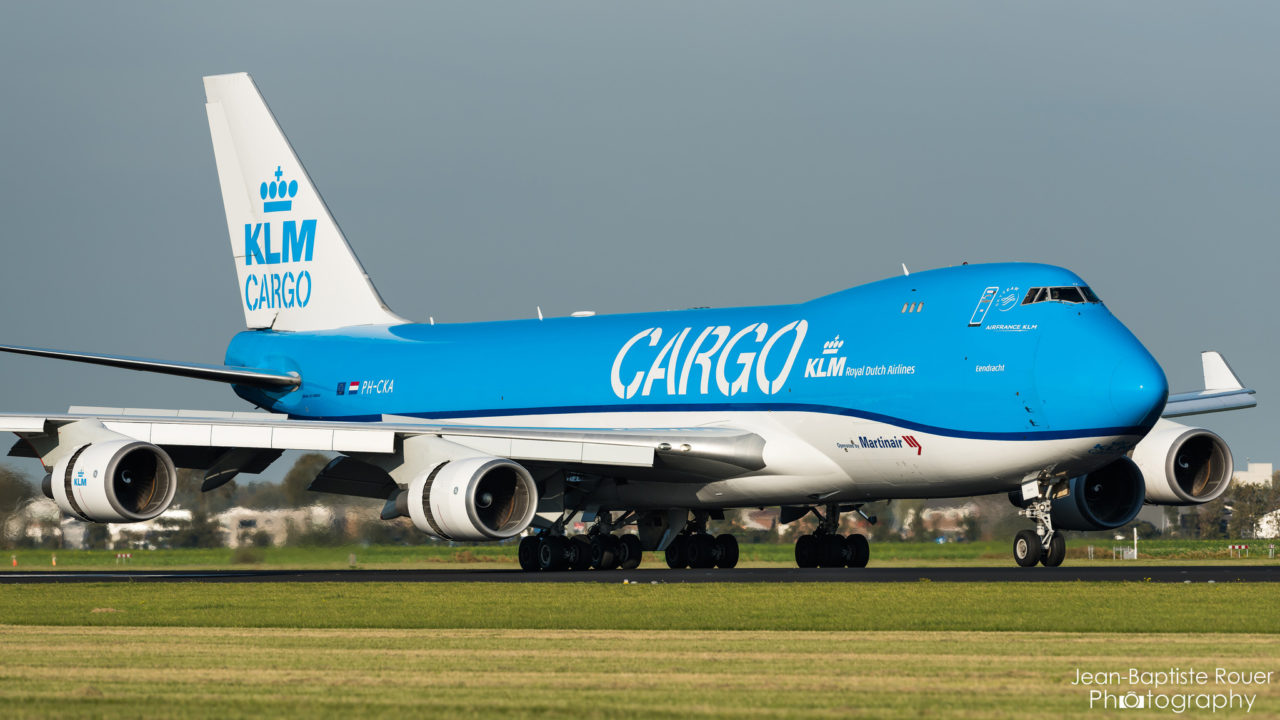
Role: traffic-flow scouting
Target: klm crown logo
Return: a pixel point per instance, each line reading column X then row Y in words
column 278, row 195
column 293, row 241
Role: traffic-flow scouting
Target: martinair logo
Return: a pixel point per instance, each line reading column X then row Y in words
column 866, row 443
column 296, row 244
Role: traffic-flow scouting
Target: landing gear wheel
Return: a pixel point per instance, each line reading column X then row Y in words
column 629, row 552
column 528, row 553
column 701, row 551
column 1026, row 548
column 603, row 555
column 1057, row 551
column 727, row 551
column 807, row 551
column 614, row 543
column 859, row 550
column 831, row 551
column 579, row 553
column 676, row 557
column 553, row 553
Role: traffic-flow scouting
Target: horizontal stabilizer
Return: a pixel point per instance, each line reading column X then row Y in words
column 255, row 377
column 1222, row 390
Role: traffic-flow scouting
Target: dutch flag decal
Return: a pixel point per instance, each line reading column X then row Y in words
column 354, row 387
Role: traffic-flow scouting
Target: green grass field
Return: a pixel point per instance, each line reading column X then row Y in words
column 228, row 672
column 952, row 650
column 636, row 650
column 995, row 553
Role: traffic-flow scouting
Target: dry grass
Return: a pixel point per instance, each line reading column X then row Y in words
column 230, row 672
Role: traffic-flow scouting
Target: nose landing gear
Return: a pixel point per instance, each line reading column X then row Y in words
column 1044, row 545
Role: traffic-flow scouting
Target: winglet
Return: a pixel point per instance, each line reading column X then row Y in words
column 1218, row 375
column 1222, row 391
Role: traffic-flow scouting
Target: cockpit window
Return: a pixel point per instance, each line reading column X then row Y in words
column 1066, row 294
column 1069, row 294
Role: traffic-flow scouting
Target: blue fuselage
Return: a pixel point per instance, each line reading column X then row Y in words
column 960, row 352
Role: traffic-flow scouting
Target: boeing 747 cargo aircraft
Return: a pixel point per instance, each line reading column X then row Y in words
column 1004, row 378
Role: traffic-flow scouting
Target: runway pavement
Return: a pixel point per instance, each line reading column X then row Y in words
column 1118, row 573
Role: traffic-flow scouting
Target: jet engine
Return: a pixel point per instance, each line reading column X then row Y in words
column 121, row 480
column 1183, row 465
column 1102, row 500
column 473, row 499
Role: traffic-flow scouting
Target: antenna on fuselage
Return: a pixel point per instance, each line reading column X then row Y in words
column 431, row 319
column 539, row 312
column 905, row 271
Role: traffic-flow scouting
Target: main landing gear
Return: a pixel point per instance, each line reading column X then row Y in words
column 827, row 548
column 1044, row 545
column 597, row 549
column 696, row 548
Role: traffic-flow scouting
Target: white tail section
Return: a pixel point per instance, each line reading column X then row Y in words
column 295, row 270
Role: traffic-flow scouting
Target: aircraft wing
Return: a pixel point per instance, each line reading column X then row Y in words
column 1223, row 391
column 224, row 444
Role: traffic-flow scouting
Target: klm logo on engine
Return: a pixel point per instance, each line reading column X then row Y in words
column 286, row 243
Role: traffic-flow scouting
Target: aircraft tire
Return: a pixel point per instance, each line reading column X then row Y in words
column 553, row 553
column 1026, row 548
column 727, row 551
column 629, row 552
column 579, row 552
column 527, row 553
column 831, row 551
column 603, row 555
column 675, row 553
column 807, row 551
column 859, row 550
column 1057, row 551
column 701, row 551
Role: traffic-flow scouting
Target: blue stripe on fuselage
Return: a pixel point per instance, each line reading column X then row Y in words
column 901, row 351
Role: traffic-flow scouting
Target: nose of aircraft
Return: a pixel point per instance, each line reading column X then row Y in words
column 1138, row 386
column 1106, row 380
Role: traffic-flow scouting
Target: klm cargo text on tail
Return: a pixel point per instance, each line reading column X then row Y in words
column 275, row 289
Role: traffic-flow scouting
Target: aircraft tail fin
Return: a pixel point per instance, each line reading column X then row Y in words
column 294, row 267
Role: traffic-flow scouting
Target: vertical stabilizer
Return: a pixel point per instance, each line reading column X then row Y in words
column 294, row 268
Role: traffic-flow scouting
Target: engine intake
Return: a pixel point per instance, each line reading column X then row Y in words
column 1183, row 465
column 1102, row 500
column 473, row 499
column 115, row 481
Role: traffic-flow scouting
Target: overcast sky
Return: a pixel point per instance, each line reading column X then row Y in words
column 486, row 158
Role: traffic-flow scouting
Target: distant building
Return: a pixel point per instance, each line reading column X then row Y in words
column 1256, row 474
column 1268, row 526
column 240, row 524
column 948, row 521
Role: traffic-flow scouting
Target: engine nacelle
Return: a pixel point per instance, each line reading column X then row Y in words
column 473, row 499
column 1183, row 465
column 1102, row 500
column 114, row 481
